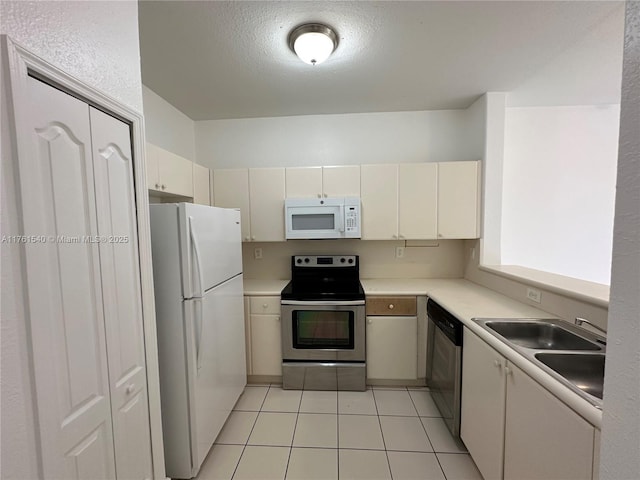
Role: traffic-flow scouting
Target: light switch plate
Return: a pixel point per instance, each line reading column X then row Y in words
column 257, row 253
column 399, row 252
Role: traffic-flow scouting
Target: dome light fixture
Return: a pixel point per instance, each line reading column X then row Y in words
column 313, row 42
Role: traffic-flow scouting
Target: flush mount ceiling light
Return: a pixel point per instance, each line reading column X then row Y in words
column 313, row 42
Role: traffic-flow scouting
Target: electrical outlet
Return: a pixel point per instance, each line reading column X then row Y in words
column 473, row 253
column 257, row 253
column 399, row 252
column 534, row 295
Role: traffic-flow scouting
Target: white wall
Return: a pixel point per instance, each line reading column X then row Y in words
column 588, row 72
column 621, row 415
column 167, row 127
column 96, row 42
column 559, row 177
column 390, row 137
column 445, row 259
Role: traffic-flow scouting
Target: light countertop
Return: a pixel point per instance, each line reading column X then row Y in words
column 263, row 287
column 465, row 300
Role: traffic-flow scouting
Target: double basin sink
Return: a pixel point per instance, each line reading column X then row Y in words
column 570, row 354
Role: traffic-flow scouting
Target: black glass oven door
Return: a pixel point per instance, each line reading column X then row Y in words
column 323, row 329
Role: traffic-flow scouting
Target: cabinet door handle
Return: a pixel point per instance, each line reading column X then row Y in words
column 394, row 236
column 325, row 195
column 157, row 185
column 319, row 195
column 264, row 305
column 497, row 363
column 164, row 187
column 130, row 388
column 391, row 306
column 247, row 238
column 253, row 238
column 369, row 321
column 508, row 371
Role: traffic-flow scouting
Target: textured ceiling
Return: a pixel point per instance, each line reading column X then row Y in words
column 219, row 59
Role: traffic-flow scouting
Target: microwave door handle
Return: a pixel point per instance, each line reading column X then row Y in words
column 342, row 213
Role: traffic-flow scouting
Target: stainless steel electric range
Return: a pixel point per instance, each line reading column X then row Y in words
column 323, row 324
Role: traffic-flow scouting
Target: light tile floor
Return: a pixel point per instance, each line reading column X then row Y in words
column 381, row 433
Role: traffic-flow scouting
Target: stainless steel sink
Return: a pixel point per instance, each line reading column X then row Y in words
column 541, row 335
column 572, row 355
column 585, row 371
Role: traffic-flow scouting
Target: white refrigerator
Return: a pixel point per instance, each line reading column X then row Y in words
column 197, row 272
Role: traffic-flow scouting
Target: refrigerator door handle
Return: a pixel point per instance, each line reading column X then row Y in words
column 198, row 326
column 197, row 264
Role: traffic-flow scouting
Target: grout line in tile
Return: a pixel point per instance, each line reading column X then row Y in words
column 338, row 433
column 384, row 444
column 427, row 434
column 438, row 460
column 415, row 408
column 244, row 447
column 295, row 427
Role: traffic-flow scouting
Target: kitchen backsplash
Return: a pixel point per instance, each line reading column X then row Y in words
column 421, row 259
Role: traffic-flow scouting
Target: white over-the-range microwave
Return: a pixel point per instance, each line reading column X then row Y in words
column 319, row 218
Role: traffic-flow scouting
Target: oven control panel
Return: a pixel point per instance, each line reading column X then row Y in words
column 325, row 260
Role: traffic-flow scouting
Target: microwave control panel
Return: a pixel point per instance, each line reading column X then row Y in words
column 351, row 219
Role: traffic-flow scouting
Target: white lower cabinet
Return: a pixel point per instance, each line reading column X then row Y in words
column 483, row 405
column 265, row 336
column 392, row 348
column 515, row 429
column 392, row 339
column 543, row 438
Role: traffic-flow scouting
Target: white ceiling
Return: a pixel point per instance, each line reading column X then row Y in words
column 230, row 59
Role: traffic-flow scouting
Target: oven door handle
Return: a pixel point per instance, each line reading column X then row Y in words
column 322, row 302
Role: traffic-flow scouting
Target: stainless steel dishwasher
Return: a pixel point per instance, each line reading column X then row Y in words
column 444, row 363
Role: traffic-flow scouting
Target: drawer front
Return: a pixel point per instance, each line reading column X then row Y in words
column 391, row 306
column 264, row 305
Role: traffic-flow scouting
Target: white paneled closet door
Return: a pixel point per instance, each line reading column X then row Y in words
column 65, row 290
column 84, row 290
column 121, row 294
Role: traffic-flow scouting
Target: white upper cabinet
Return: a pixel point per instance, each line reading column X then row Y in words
column 399, row 201
column 169, row 173
column 417, row 201
column 341, row 181
column 266, row 197
column 303, row 182
column 231, row 190
column 153, row 172
column 318, row 182
column 259, row 194
column 459, row 200
column 201, row 193
column 379, row 196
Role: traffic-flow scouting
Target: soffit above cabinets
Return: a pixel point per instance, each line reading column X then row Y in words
column 230, row 59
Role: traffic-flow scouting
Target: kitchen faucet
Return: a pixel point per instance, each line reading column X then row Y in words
column 579, row 321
